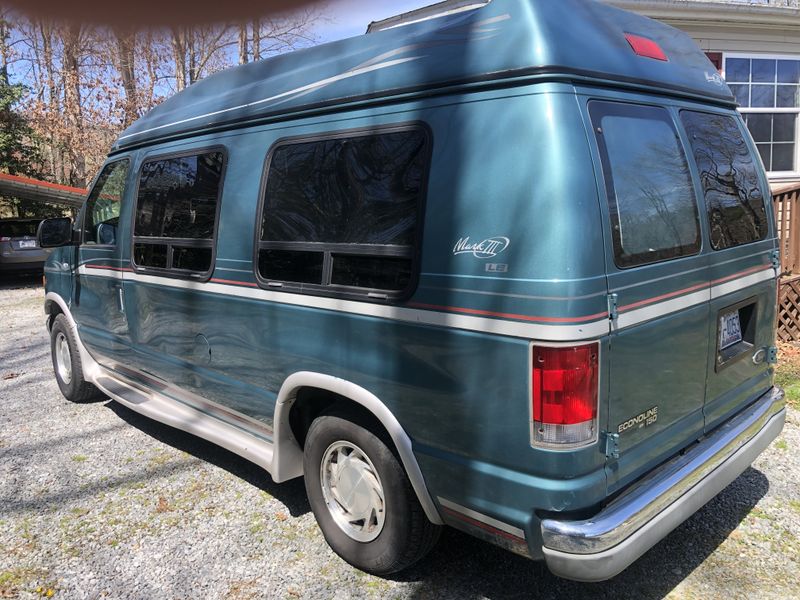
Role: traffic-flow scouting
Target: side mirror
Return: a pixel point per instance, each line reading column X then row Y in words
column 106, row 234
column 53, row 233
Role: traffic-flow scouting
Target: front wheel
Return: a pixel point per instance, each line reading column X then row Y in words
column 362, row 498
column 67, row 363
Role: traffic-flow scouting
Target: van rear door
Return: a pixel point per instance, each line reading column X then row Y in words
column 742, row 284
column 658, row 278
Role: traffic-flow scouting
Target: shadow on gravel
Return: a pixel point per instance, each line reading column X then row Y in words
column 463, row 567
column 291, row 493
column 17, row 281
column 23, row 360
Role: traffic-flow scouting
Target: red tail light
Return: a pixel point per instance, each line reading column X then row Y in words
column 645, row 47
column 564, row 395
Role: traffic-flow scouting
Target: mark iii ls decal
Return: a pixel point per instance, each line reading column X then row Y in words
column 644, row 419
column 488, row 248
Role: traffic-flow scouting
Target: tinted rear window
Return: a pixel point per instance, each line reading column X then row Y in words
column 653, row 209
column 729, row 176
column 341, row 214
column 359, row 190
column 178, row 197
column 176, row 213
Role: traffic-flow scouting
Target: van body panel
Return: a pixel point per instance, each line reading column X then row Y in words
column 98, row 301
column 671, row 308
column 259, row 344
column 658, row 340
column 741, row 379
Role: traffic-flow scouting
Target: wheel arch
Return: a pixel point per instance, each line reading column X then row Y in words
column 287, row 462
column 53, row 308
column 55, row 305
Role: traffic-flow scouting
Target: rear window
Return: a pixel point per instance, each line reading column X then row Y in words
column 340, row 215
column 14, row 229
column 728, row 174
column 653, row 209
column 176, row 213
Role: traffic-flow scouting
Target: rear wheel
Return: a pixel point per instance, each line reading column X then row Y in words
column 67, row 363
column 362, row 498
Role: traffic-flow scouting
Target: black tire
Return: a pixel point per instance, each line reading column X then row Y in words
column 406, row 535
column 73, row 386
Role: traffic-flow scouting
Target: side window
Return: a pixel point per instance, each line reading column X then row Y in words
column 103, row 206
column 342, row 214
column 176, row 213
column 728, row 173
column 654, row 213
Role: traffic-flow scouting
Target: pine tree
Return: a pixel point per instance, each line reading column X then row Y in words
column 18, row 154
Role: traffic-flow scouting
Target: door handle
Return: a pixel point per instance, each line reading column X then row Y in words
column 121, row 300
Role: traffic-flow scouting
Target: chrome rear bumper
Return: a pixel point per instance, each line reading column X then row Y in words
column 600, row 547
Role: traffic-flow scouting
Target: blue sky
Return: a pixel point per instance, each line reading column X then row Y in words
column 346, row 18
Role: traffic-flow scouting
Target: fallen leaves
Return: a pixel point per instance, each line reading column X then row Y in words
column 163, row 506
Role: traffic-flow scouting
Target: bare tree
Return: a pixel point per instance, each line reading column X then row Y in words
column 85, row 84
column 126, row 65
column 72, row 102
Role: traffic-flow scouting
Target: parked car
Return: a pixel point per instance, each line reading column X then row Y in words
column 511, row 269
column 19, row 250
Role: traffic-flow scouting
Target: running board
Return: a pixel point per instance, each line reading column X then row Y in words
column 176, row 414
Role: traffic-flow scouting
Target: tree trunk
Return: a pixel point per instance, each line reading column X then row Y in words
column 179, row 54
column 243, row 43
column 152, row 61
column 4, row 51
column 72, row 104
column 191, row 46
column 54, row 145
column 126, row 60
column 256, row 40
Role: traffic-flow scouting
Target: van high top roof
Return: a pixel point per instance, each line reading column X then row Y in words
column 503, row 42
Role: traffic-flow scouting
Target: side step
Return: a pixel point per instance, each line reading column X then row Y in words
column 176, row 414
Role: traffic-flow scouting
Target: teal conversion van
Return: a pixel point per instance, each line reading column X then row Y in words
column 511, row 270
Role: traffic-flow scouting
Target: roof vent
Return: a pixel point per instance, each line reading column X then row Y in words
column 440, row 9
column 645, row 47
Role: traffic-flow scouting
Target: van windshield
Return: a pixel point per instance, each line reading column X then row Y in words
column 728, row 174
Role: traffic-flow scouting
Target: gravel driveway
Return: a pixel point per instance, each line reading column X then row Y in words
column 98, row 502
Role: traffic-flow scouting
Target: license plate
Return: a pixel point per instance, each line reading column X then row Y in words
column 27, row 244
column 730, row 330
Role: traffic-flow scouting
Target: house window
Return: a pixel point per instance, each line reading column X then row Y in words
column 768, row 91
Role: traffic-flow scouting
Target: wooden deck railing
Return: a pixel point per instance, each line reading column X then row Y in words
column 786, row 200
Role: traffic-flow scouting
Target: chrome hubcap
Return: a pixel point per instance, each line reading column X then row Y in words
column 352, row 491
column 63, row 360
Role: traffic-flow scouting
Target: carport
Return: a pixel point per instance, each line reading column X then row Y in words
column 34, row 191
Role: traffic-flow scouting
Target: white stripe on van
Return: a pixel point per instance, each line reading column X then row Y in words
column 737, row 284
column 640, row 315
column 508, row 327
column 555, row 333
